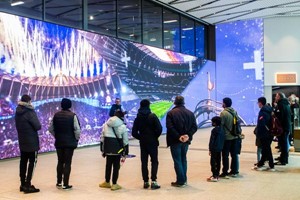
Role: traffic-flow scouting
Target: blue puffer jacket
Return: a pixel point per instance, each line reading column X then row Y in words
column 27, row 124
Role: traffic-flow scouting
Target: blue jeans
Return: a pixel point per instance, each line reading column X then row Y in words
column 179, row 152
column 230, row 147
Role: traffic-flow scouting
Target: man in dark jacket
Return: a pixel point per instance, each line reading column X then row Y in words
column 66, row 130
column 283, row 113
column 115, row 107
column 27, row 124
column 181, row 126
column 147, row 129
column 265, row 138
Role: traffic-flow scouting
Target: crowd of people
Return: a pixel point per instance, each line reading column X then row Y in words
column 287, row 111
column 91, row 120
column 224, row 145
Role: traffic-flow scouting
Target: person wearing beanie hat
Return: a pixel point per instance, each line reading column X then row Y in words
column 66, row 104
column 113, row 144
column 231, row 144
column 147, row 129
column 27, row 125
column 65, row 128
column 181, row 126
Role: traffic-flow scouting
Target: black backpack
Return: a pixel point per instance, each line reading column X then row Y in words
column 236, row 129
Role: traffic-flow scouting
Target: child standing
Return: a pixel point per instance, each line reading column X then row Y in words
column 216, row 144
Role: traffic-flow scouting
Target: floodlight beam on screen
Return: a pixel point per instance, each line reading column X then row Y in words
column 30, row 52
column 172, row 57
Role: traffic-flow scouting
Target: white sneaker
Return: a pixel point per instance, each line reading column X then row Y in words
column 257, row 168
column 212, row 179
column 271, row 169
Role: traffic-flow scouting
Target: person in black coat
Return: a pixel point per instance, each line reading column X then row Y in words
column 65, row 128
column 216, row 143
column 27, row 125
column 147, row 129
column 264, row 121
column 283, row 113
column 115, row 107
column 181, row 126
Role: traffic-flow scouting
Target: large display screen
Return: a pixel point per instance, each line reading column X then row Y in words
column 49, row 62
column 240, row 70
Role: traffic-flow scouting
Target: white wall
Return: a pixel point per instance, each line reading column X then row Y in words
column 281, row 50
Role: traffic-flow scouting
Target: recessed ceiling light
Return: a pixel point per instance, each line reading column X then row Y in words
column 16, row 3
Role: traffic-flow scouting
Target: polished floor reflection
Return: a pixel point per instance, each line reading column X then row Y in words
column 88, row 171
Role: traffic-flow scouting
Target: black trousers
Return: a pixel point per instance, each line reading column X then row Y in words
column 266, row 152
column 27, row 170
column 284, row 147
column 215, row 163
column 230, row 147
column 112, row 161
column 152, row 151
column 63, row 168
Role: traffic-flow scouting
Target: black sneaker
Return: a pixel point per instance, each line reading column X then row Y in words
column 154, row 185
column 58, row 185
column 67, row 187
column 277, row 159
column 146, row 185
column 279, row 163
column 30, row 189
column 175, row 184
column 224, row 176
column 22, row 188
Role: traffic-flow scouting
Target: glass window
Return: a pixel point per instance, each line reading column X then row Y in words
column 64, row 12
column 187, row 36
column 129, row 20
column 32, row 9
column 200, row 40
column 152, row 24
column 171, row 30
column 102, row 16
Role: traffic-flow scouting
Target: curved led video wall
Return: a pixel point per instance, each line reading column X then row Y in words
column 50, row 62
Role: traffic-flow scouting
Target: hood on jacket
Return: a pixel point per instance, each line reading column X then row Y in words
column 144, row 111
column 267, row 109
column 114, row 121
column 230, row 109
column 23, row 107
column 284, row 101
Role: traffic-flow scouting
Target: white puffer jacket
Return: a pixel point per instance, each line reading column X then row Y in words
column 108, row 137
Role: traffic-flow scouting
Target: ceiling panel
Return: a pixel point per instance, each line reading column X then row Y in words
column 267, row 13
column 219, row 11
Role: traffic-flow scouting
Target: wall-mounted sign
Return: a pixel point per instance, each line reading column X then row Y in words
column 286, row 78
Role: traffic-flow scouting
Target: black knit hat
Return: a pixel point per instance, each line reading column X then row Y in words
column 179, row 100
column 145, row 103
column 66, row 104
column 26, row 98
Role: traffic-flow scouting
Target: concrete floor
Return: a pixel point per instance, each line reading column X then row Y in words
column 88, row 171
